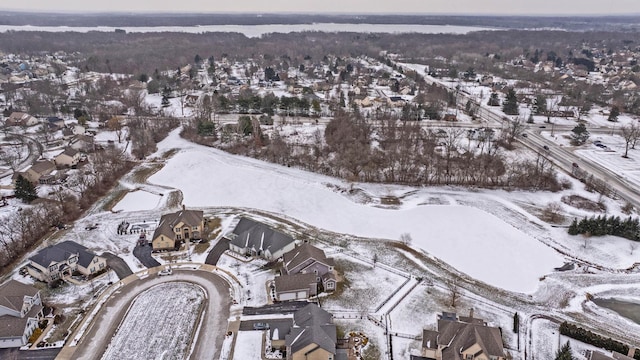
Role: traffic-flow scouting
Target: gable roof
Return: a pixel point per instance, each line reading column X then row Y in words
column 69, row 151
column 168, row 221
column 258, row 236
column 312, row 325
column 458, row 336
column 12, row 326
column 295, row 282
column 302, row 253
column 43, row 166
column 12, row 294
column 61, row 252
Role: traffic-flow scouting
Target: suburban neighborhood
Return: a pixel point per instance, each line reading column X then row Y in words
column 326, row 195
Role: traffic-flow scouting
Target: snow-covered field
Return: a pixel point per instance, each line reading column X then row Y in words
column 205, row 177
column 138, row 200
column 159, row 324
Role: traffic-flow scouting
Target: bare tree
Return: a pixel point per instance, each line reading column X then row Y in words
column 630, row 133
column 633, row 246
column 406, row 238
column 515, row 127
column 454, row 292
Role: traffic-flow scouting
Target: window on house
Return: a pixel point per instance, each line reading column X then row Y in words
column 93, row 269
column 330, row 285
column 179, row 237
column 73, row 260
column 194, row 228
column 95, row 259
column 176, row 230
column 101, row 266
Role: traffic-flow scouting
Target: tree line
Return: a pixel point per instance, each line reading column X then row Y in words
column 393, row 152
column 586, row 336
column 607, row 225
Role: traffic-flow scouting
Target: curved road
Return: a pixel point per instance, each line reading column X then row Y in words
column 209, row 338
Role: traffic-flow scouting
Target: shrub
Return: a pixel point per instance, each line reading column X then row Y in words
column 586, row 336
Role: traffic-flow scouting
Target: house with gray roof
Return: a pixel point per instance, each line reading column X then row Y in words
column 597, row 355
column 252, row 238
column 308, row 259
column 296, row 287
column 20, row 312
column 313, row 335
column 39, row 171
column 63, row 259
column 175, row 228
column 461, row 338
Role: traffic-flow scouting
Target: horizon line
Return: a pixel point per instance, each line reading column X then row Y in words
column 309, row 13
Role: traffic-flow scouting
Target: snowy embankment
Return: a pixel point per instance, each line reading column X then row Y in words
column 159, row 324
column 473, row 241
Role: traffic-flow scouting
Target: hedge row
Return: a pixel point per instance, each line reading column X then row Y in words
column 588, row 337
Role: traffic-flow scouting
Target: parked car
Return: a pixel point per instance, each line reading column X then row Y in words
column 545, row 147
column 260, row 326
column 165, row 272
column 524, row 135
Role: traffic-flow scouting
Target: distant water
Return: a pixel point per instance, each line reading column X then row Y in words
column 626, row 309
column 259, row 30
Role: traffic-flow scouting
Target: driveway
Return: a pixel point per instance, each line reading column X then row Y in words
column 143, row 253
column 218, row 249
column 117, row 264
column 280, row 308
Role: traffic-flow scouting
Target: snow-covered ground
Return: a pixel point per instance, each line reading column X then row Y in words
column 248, row 345
column 159, row 324
column 205, row 177
column 138, row 200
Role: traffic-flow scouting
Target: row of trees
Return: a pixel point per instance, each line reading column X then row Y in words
column 586, row 336
column 603, row 225
column 403, row 153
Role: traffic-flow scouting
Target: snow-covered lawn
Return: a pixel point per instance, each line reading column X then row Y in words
column 138, row 200
column 248, row 345
column 477, row 243
column 159, row 324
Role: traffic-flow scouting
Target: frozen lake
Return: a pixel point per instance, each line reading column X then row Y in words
column 259, row 30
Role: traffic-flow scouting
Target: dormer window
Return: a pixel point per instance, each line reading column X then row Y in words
column 73, row 259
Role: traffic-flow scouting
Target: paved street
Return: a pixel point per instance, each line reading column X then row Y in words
column 209, row 340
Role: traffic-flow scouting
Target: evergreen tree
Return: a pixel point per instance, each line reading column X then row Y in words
column 564, row 353
column 25, row 190
column 613, row 115
column 540, row 105
column 510, row 105
column 579, row 134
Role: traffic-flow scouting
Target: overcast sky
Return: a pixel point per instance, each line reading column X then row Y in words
column 521, row 7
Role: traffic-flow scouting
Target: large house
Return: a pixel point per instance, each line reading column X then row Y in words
column 20, row 312
column 40, row 171
column 312, row 336
column 252, row 238
column 21, row 119
column 303, row 268
column 68, row 158
column 462, row 338
column 60, row 260
column 175, row 228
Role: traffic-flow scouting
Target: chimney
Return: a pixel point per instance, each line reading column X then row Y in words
column 471, row 313
column 183, row 207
